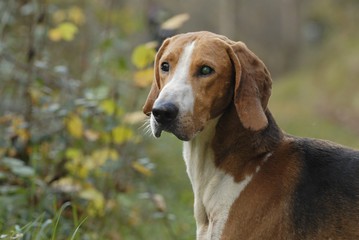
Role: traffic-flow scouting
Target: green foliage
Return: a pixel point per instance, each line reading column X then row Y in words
column 73, row 162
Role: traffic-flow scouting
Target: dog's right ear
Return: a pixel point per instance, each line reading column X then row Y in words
column 155, row 88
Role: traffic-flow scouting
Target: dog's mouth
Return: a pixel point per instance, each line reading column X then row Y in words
column 173, row 127
column 157, row 131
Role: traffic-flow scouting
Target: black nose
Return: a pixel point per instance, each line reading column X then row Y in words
column 165, row 113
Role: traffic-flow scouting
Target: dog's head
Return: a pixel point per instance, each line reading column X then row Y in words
column 197, row 77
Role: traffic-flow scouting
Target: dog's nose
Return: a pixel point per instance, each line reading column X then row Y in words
column 165, row 113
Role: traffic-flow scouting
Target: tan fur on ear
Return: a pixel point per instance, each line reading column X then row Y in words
column 252, row 87
column 155, row 88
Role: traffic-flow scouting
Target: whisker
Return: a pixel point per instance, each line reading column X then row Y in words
column 146, row 127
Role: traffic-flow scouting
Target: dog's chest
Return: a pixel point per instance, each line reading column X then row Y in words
column 214, row 190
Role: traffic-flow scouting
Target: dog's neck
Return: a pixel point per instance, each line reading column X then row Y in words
column 237, row 149
column 217, row 183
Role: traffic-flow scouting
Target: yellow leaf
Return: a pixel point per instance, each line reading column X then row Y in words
column 141, row 169
column 74, row 126
column 108, row 106
column 121, row 134
column 68, row 30
column 143, row 78
column 143, row 56
column 76, row 15
column 54, row 34
column 73, row 153
column 64, row 31
column 19, row 129
column 96, row 201
column 99, row 157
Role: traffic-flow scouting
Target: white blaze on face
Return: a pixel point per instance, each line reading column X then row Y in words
column 178, row 90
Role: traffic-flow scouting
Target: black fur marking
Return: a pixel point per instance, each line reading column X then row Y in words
column 328, row 188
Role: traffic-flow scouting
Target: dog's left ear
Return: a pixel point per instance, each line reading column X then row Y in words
column 252, row 87
column 155, row 88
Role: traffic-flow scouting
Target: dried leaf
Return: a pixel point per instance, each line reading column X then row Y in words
column 159, row 202
column 175, row 22
column 67, row 185
column 134, row 117
column 76, row 15
column 59, row 16
column 91, row 135
column 143, row 78
column 142, row 169
column 54, row 35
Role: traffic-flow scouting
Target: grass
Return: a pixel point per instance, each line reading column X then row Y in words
column 295, row 104
column 45, row 228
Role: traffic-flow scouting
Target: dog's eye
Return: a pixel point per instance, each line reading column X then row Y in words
column 165, row 66
column 205, row 70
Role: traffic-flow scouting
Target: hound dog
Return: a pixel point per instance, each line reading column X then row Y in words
column 250, row 179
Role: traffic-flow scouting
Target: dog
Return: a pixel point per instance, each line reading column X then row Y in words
column 250, row 179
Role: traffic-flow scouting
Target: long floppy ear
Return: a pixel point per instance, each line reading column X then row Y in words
column 252, row 87
column 155, row 88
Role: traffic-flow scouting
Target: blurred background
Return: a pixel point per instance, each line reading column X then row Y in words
column 76, row 160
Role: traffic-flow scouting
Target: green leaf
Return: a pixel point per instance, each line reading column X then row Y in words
column 12, row 162
column 72, row 153
column 24, row 171
column 143, row 56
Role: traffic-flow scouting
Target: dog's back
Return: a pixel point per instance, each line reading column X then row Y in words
column 326, row 198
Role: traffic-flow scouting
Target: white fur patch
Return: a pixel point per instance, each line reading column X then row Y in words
column 178, row 90
column 214, row 190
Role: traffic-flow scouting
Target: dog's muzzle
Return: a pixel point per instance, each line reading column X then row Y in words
column 165, row 115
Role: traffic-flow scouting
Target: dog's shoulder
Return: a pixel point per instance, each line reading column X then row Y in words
column 327, row 191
